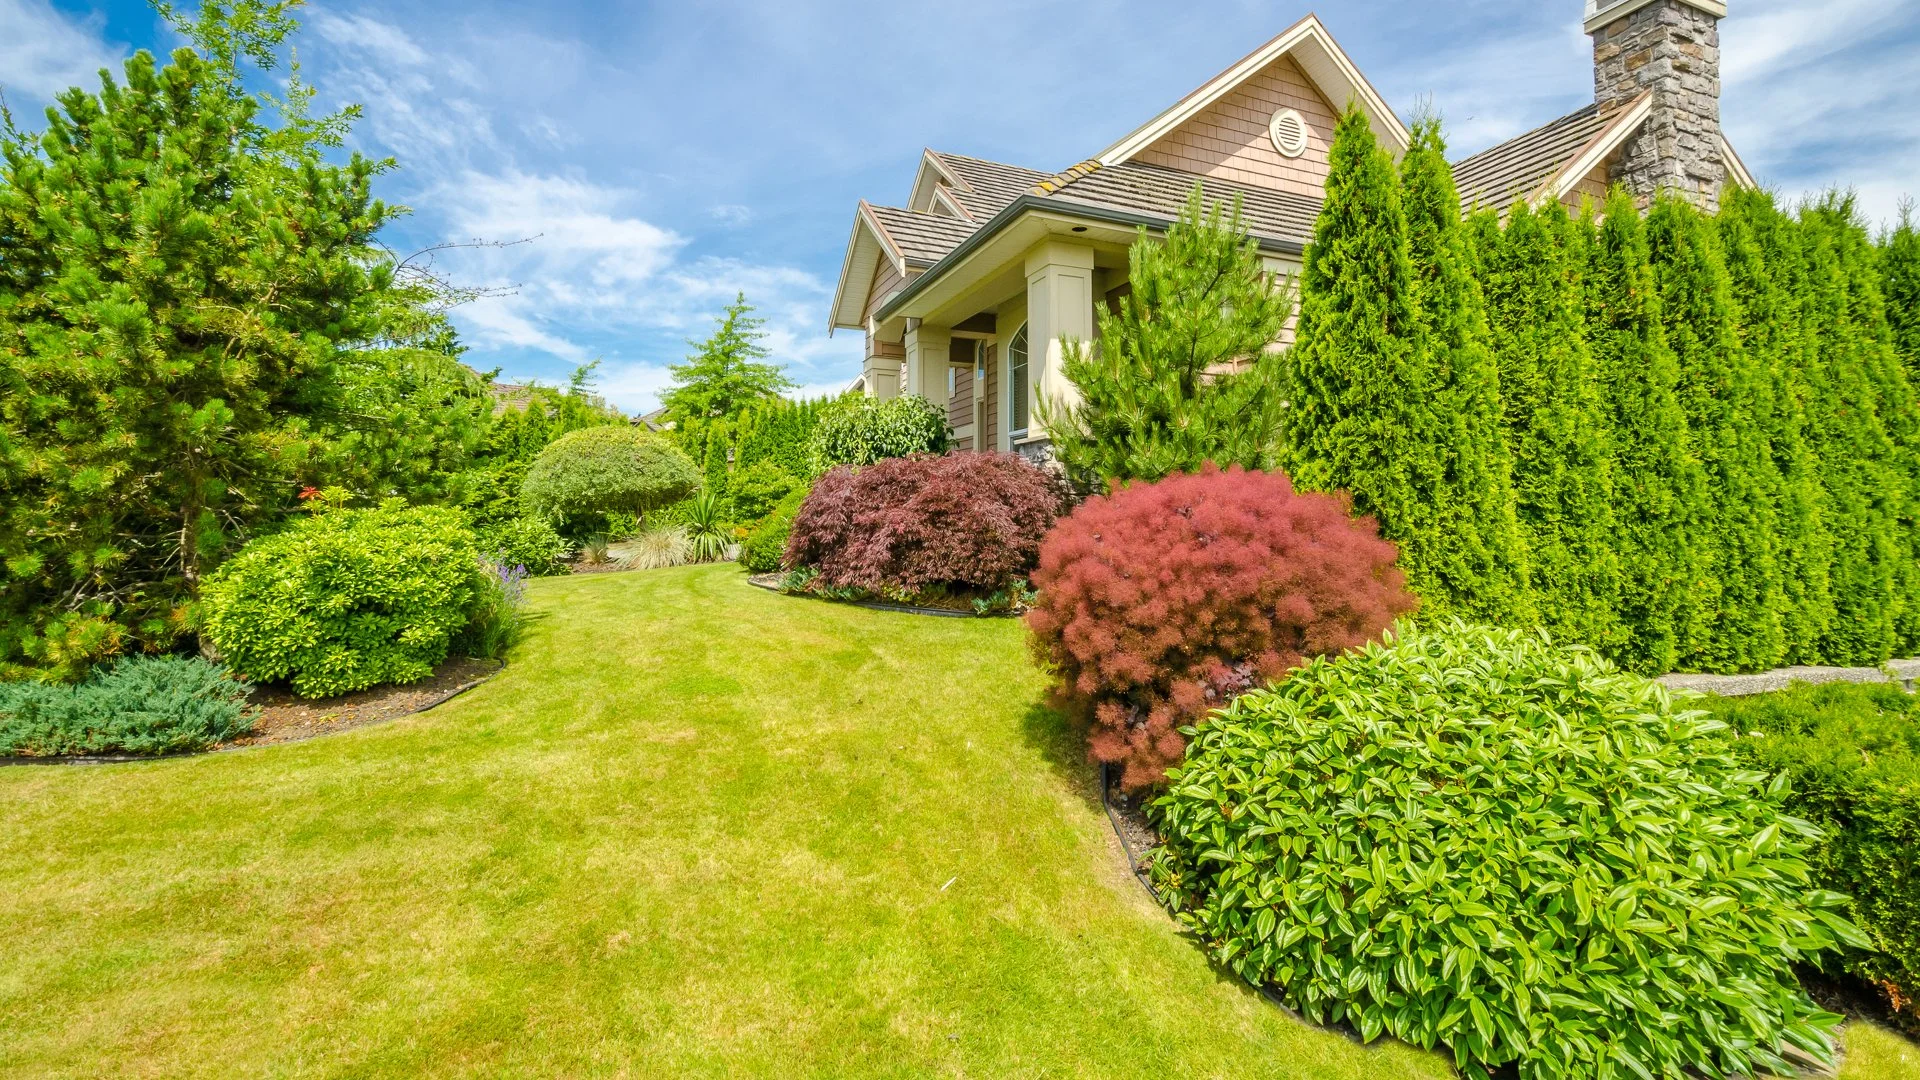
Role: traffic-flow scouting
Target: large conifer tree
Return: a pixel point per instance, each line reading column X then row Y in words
column 1556, row 427
column 1656, row 477
column 1900, row 285
column 1761, row 247
column 725, row 374
column 1735, row 617
column 1477, row 559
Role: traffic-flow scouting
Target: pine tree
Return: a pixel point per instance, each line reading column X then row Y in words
column 1182, row 374
column 1763, row 258
column 1478, row 558
column 1900, row 286
column 1850, row 442
column 1656, row 478
column 1562, row 464
column 725, row 373
column 1735, row 616
column 1359, row 410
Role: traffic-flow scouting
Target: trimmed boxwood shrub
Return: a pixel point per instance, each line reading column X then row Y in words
column 766, row 545
column 136, row 705
column 1851, row 755
column 860, row 430
column 347, row 599
column 1467, row 836
column 606, row 470
column 527, row 542
column 1161, row 601
column 969, row 520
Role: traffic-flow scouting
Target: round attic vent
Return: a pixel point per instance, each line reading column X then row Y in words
column 1288, row 130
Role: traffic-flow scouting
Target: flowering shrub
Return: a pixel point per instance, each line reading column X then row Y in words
column 1161, row 601
column 1467, row 836
column 913, row 523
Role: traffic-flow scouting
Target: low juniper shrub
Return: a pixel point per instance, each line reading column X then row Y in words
column 1467, row 836
column 135, row 705
column 1163, row 600
column 904, row 525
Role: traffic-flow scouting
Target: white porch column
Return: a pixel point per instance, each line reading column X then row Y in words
column 1059, row 307
column 926, row 367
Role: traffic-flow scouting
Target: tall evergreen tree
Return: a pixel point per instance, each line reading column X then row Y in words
column 1182, row 374
column 1735, row 617
column 725, row 374
column 1900, row 285
column 1556, row 421
column 1478, row 554
column 1656, row 477
column 1361, row 414
column 1851, row 443
column 1761, row 246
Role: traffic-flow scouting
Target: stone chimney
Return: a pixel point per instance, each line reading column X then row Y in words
column 1671, row 47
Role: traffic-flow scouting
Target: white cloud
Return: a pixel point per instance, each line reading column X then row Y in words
column 43, row 52
column 731, row 214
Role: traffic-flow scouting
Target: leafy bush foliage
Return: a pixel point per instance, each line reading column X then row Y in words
column 526, row 542
column 860, row 430
column 1852, row 756
column 755, row 490
column 1161, row 601
column 499, row 604
column 602, row 470
column 347, row 600
column 1468, row 836
column 912, row 523
column 138, row 705
column 766, row 545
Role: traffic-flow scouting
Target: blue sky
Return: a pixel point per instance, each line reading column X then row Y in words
column 667, row 155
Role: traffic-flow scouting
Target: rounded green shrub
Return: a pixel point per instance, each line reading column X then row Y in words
column 761, row 552
column 861, row 430
column 525, row 541
column 607, row 470
column 346, row 600
column 136, row 705
column 1467, row 836
column 755, row 490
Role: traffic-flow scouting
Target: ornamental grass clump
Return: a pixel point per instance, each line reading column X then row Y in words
column 906, row 524
column 1161, row 601
column 1467, row 836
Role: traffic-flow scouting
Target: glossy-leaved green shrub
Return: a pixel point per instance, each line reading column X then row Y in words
column 346, row 599
column 603, row 470
column 527, row 542
column 860, row 430
column 762, row 550
column 1468, row 836
column 1852, row 756
column 136, row 705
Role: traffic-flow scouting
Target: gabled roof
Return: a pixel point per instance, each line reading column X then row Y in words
column 921, row 239
column 1310, row 46
column 1159, row 192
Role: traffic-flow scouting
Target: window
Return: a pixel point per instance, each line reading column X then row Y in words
column 1017, row 384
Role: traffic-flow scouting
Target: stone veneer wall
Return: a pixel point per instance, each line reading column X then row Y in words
column 1673, row 49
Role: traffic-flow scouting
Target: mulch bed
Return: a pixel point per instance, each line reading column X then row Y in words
column 962, row 607
column 285, row 718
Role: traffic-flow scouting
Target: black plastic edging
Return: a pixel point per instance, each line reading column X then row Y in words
column 123, row 759
column 1133, row 863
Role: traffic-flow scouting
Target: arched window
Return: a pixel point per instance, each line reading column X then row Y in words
column 1017, row 384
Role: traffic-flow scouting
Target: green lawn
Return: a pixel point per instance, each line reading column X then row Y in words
column 694, row 829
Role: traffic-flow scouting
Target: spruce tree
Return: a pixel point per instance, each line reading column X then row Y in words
column 725, row 373
column 1360, row 413
column 1655, row 476
column 1735, row 614
column 1850, row 441
column 1477, row 553
column 1761, row 246
column 1556, row 421
column 1183, row 374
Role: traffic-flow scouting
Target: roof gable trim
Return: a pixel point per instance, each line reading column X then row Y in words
column 1598, row 149
column 927, row 180
column 868, row 244
column 1319, row 56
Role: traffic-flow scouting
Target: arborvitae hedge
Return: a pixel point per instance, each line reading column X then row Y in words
column 1556, row 429
column 1657, row 480
column 1900, row 286
column 1474, row 552
column 1735, row 614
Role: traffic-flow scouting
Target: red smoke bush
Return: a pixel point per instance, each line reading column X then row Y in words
column 962, row 519
column 1161, row 601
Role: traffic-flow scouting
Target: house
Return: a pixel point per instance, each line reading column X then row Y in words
column 966, row 292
